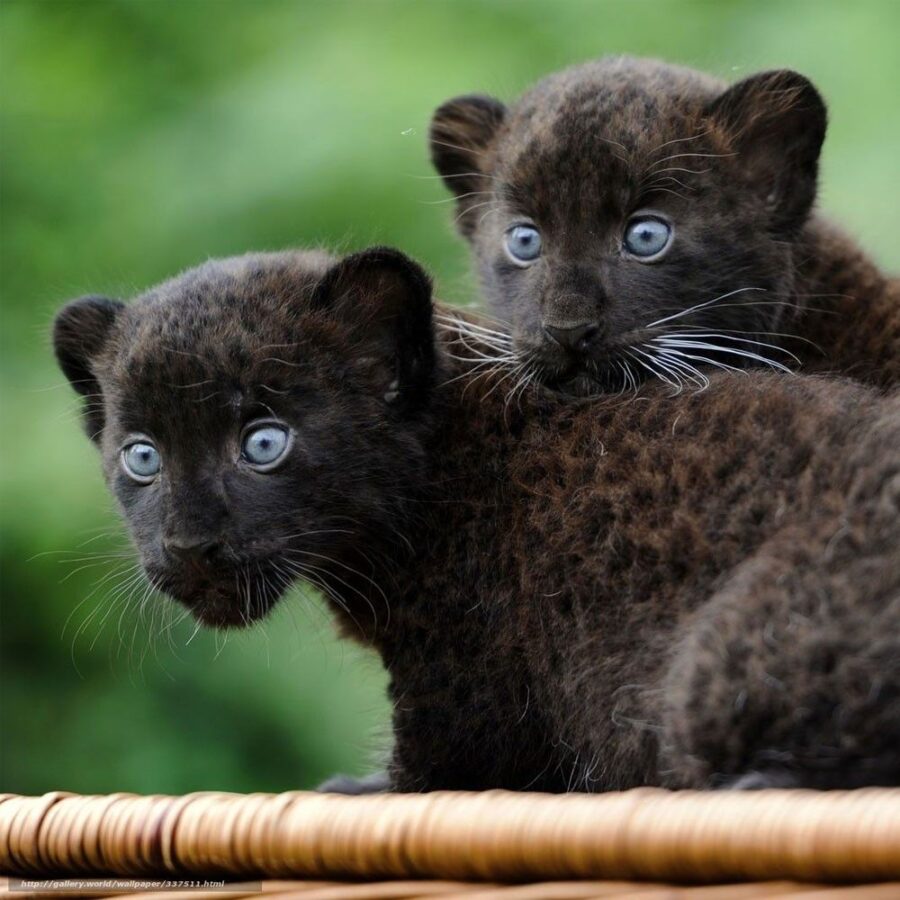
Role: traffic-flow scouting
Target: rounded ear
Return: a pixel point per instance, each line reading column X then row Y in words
column 384, row 298
column 775, row 122
column 80, row 332
column 461, row 131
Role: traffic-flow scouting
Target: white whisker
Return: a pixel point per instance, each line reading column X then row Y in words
column 717, row 364
column 676, row 385
column 703, row 305
column 687, row 344
column 728, row 337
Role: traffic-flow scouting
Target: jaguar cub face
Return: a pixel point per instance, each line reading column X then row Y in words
column 250, row 415
column 631, row 219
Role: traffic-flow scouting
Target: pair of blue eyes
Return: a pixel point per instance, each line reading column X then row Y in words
column 646, row 237
column 262, row 448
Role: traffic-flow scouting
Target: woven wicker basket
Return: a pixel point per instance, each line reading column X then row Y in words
column 495, row 844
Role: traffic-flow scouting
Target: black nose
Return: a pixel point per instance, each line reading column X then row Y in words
column 189, row 550
column 574, row 337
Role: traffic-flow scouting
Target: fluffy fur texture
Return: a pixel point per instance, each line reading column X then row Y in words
column 690, row 591
column 751, row 276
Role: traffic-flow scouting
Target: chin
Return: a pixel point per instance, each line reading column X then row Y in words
column 216, row 606
column 226, row 616
column 580, row 385
column 582, row 380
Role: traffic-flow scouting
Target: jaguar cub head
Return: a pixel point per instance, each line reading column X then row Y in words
column 258, row 419
column 631, row 219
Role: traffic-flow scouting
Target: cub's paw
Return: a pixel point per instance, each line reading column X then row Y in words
column 376, row 783
column 760, row 780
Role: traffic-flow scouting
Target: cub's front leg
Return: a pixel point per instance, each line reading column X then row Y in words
column 474, row 730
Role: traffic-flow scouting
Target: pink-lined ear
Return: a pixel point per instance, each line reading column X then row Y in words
column 775, row 122
column 384, row 298
column 461, row 131
column 80, row 332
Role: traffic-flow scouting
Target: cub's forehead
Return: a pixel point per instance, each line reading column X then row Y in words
column 233, row 319
column 631, row 97
column 601, row 122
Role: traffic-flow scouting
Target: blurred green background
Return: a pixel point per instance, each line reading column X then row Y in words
column 139, row 138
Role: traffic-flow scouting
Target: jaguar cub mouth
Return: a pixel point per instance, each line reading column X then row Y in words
column 237, row 602
column 573, row 372
column 616, row 365
column 580, row 383
column 573, row 377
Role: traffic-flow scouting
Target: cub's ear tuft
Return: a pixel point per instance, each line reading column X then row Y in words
column 384, row 298
column 80, row 332
column 775, row 121
column 461, row 131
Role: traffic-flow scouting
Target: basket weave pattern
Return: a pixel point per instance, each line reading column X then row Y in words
column 574, row 846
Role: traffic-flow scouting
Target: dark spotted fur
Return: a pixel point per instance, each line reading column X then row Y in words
column 734, row 170
column 697, row 590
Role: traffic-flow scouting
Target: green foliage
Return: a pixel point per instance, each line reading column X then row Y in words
column 139, row 138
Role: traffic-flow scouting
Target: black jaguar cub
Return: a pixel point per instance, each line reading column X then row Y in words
column 700, row 590
column 631, row 219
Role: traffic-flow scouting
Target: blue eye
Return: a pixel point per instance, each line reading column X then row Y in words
column 523, row 243
column 264, row 447
column 141, row 461
column 647, row 236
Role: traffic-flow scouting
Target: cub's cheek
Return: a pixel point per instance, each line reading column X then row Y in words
column 140, row 523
